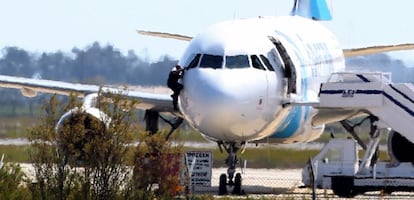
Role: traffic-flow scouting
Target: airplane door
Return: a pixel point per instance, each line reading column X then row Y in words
column 288, row 66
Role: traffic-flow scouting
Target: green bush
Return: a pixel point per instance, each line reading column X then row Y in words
column 157, row 165
column 86, row 157
column 12, row 183
column 89, row 159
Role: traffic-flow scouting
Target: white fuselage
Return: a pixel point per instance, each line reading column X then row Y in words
column 232, row 94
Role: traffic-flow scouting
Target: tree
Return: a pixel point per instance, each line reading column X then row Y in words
column 16, row 61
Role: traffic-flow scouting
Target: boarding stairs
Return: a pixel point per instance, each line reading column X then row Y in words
column 374, row 93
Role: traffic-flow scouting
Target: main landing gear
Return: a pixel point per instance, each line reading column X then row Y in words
column 151, row 122
column 231, row 162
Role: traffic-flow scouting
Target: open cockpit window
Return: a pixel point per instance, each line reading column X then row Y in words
column 194, row 61
column 256, row 63
column 267, row 63
column 211, row 61
column 239, row 61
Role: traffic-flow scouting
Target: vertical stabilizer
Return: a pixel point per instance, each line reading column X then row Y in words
column 312, row 9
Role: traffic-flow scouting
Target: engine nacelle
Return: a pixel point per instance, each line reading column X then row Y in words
column 77, row 128
column 400, row 148
column 91, row 117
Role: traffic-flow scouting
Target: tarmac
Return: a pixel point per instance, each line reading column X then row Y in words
column 269, row 183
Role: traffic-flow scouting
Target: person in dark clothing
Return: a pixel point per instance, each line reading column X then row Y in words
column 174, row 85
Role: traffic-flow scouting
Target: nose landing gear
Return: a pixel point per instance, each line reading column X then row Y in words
column 231, row 162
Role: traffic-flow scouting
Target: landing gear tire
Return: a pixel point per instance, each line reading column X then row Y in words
column 343, row 187
column 235, row 182
column 237, row 185
column 223, row 184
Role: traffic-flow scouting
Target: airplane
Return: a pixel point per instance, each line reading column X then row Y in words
column 245, row 81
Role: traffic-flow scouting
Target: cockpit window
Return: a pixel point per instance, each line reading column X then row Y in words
column 194, row 62
column 239, row 61
column 267, row 63
column 256, row 62
column 211, row 61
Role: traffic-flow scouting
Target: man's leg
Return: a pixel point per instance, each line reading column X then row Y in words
column 177, row 91
column 179, row 88
column 175, row 101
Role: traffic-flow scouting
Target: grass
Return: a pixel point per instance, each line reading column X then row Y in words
column 270, row 157
column 21, row 110
column 16, row 127
column 266, row 157
column 13, row 153
column 188, row 134
column 257, row 158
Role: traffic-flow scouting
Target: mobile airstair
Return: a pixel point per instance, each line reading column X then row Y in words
column 338, row 165
column 374, row 93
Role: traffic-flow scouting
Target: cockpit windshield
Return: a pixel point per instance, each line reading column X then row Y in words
column 239, row 61
column 211, row 61
column 230, row 62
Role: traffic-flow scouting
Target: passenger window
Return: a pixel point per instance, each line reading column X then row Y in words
column 194, row 62
column 267, row 63
column 240, row 61
column 211, row 61
column 256, row 62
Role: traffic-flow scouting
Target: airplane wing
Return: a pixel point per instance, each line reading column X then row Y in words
column 165, row 35
column 161, row 102
column 377, row 49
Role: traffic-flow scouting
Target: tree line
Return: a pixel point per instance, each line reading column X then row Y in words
column 95, row 64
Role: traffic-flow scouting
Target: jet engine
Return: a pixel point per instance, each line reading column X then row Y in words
column 91, row 118
column 400, row 148
column 76, row 129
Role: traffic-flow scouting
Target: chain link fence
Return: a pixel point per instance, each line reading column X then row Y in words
column 285, row 184
column 273, row 184
column 258, row 181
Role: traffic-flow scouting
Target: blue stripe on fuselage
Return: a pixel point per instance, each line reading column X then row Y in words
column 294, row 120
column 290, row 124
column 297, row 115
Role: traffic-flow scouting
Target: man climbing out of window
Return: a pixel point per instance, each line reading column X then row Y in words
column 174, row 85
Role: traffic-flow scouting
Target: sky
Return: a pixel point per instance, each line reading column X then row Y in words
column 51, row 25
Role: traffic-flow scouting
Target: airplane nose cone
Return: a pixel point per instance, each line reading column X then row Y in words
column 204, row 98
column 223, row 108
